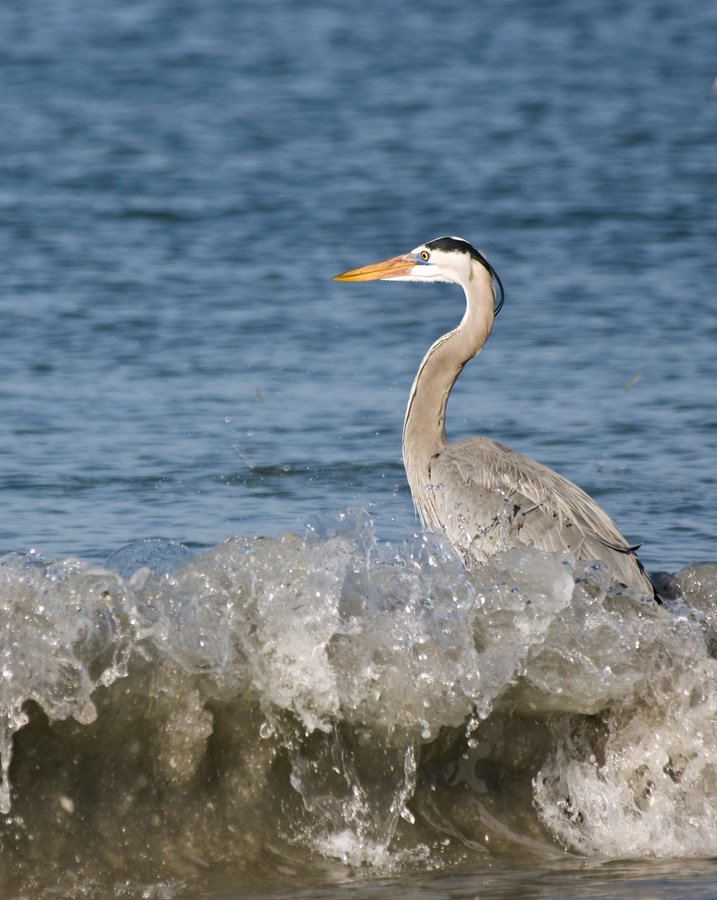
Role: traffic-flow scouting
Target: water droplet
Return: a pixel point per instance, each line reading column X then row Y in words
column 266, row 730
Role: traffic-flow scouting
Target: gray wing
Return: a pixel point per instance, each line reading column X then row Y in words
column 487, row 498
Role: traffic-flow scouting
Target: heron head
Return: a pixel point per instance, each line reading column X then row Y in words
column 449, row 259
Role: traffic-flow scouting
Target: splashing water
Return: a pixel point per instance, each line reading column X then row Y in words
column 321, row 693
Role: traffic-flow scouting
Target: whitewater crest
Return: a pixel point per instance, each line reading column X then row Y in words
column 271, row 699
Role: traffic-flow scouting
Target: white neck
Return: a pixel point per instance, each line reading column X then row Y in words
column 424, row 433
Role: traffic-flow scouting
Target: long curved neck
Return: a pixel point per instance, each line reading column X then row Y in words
column 424, row 432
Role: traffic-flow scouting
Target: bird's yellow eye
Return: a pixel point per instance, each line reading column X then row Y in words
column 425, row 255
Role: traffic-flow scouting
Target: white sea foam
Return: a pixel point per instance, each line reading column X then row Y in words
column 372, row 702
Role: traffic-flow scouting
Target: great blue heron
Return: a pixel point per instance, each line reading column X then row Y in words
column 484, row 496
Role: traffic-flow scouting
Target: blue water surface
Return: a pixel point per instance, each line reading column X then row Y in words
column 179, row 182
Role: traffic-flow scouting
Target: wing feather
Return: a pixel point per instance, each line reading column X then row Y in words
column 488, row 497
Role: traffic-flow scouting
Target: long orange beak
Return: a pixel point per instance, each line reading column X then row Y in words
column 396, row 267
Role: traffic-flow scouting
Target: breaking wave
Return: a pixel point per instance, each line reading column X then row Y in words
column 326, row 696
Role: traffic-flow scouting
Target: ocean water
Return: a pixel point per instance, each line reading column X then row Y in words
column 232, row 665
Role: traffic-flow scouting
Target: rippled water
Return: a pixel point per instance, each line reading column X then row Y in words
column 342, row 708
